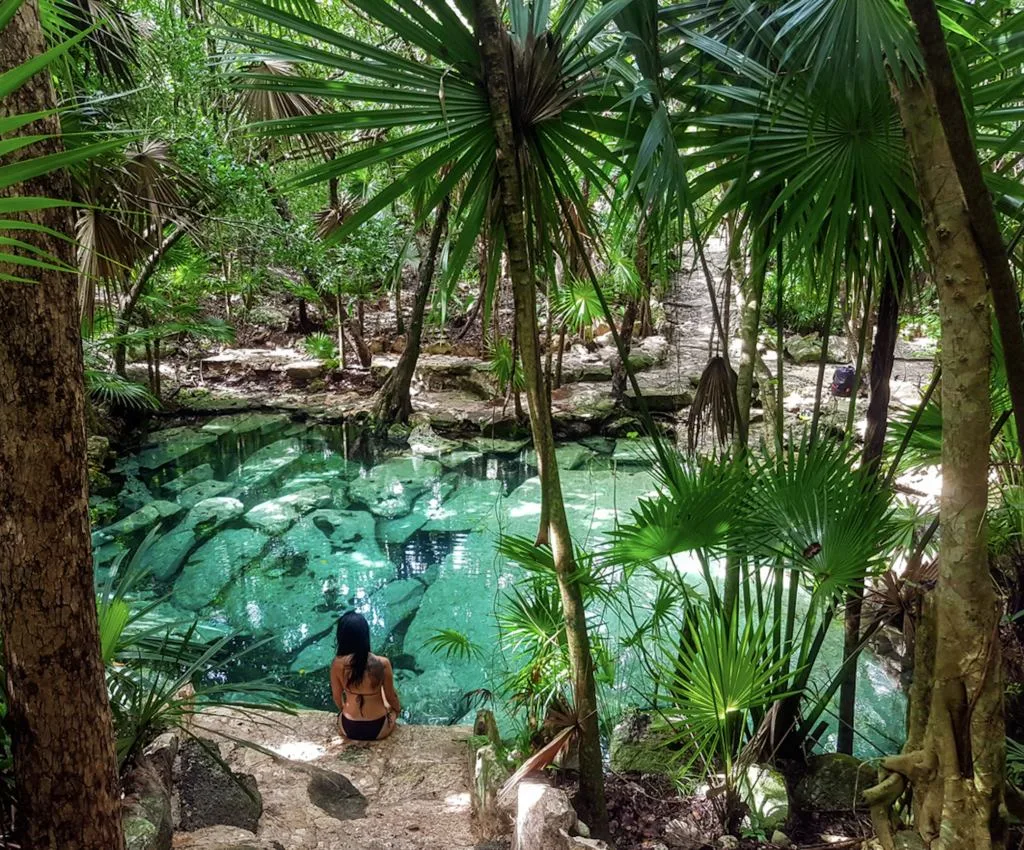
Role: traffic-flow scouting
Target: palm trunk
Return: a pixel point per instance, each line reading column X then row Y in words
column 751, row 293
column 493, row 44
column 394, row 403
column 629, row 317
column 882, row 355
column 955, row 753
column 65, row 767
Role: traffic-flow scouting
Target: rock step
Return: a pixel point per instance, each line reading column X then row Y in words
column 409, row 792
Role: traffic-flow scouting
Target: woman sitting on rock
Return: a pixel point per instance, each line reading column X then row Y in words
column 362, row 684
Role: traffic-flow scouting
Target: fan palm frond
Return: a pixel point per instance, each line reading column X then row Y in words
column 713, row 413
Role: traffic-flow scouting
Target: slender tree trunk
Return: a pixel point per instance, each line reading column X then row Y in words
column 882, row 356
column 394, row 402
column 629, row 317
column 751, row 294
column 58, row 711
column 955, row 753
column 493, row 45
column 642, row 260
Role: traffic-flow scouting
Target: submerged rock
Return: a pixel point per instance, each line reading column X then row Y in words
column 248, row 423
column 165, row 557
column 196, row 475
column 638, row 451
column 174, row 445
column 267, row 465
column 192, row 496
column 215, row 564
column 345, row 528
column 144, row 518
column 210, row 514
column 474, row 504
column 500, row 448
column 428, row 506
column 389, row 489
column 276, row 516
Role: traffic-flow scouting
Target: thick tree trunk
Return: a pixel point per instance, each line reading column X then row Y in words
column 955, row 754
column 977, row 197
column 64, row 761
column 882, row 356
column 394, row 402
column 492, row 39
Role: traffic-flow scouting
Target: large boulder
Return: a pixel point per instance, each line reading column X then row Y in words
column 833, row 782
column 763, row 790
column 208, row 795
column 546, row 820
column 215, row 564
column 804, row 349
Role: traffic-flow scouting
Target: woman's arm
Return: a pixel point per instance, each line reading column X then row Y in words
column 390, row 694
column 337, row 689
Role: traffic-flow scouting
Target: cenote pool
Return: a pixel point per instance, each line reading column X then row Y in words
column 269, row 530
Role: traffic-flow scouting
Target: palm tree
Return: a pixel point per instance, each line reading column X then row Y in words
column 515, row 115
column 66, row 784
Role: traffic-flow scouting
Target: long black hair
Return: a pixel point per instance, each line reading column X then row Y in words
column 354, row 640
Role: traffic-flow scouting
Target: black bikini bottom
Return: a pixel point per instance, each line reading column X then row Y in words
column 363, row 730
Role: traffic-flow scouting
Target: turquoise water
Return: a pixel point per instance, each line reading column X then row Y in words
column 269, row 530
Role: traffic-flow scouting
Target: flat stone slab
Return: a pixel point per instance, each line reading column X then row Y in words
column 413, row 788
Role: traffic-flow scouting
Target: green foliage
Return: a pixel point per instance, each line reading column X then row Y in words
column 804, row 527
column 505, row 367
column 321, row 346
column 158, row 673
column 453, row 645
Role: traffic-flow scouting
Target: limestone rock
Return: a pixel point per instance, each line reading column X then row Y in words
column 210, row 514
column 833, row 782
column 343, row 528
column 389, row 489
column 165, row 557
column 304, row 371
column 474, row 505
column 146, row 816
column 215, row 564
column 195, row 475
column 640, row 745
column 192, row 496
column 223, row 838
column 144, row 518
column 334, row 794
column 174, row 445
column 728, row 842
column 208, row 796
column 247, row 423
column 267, row 465
column 500, row 448
column 423, row 441
column 277, row 515
column 804, row 349
column 763, row 789
column 638, row 451
column 683, row 835
column 489, row 774
column 543, row 813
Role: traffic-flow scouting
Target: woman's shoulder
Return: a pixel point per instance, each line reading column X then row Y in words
column 381, row 661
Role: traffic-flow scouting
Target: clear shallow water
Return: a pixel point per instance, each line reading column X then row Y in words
column 271, row 530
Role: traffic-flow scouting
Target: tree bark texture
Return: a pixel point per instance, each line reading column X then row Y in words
column 394, row 401
column 955, row 754
column 64, row 760
column 492, row 40
column 987, row 233
column 750, row 293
